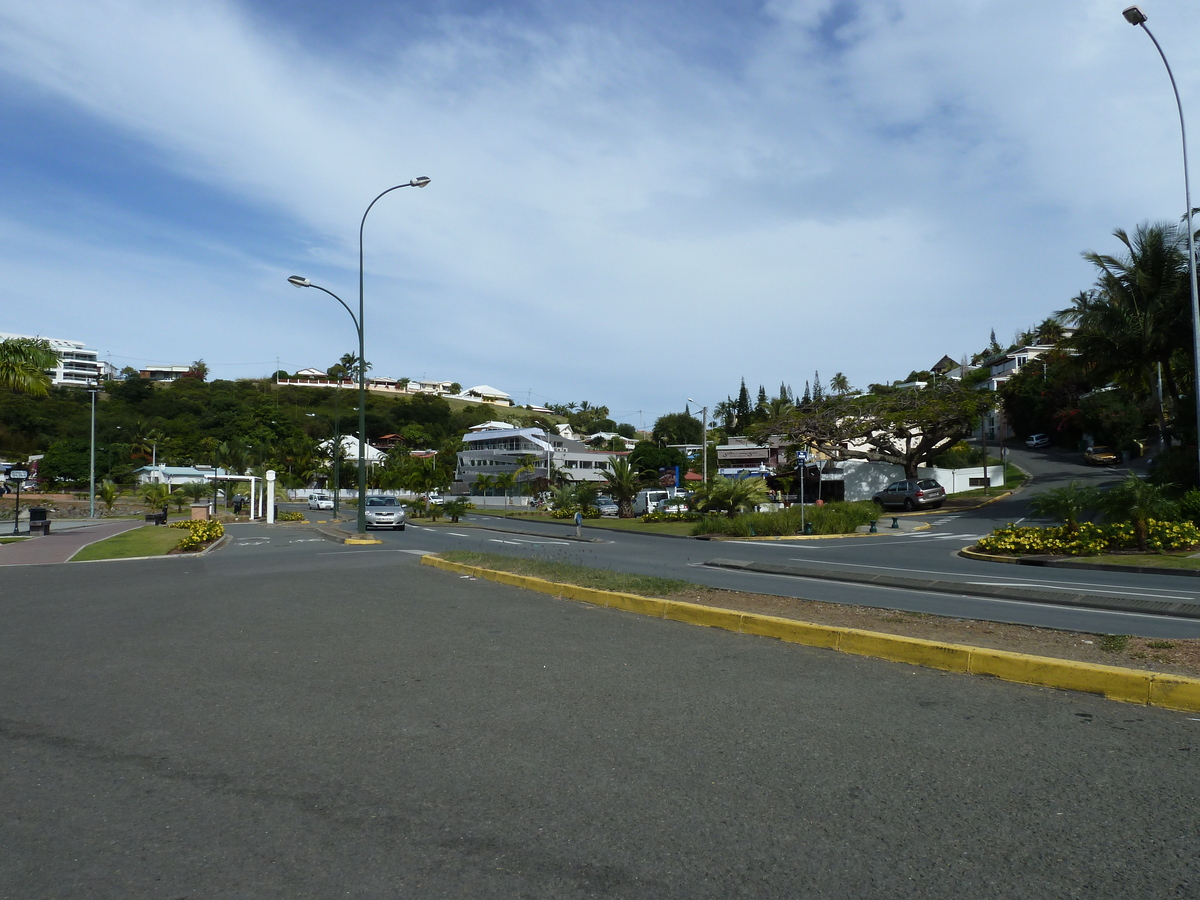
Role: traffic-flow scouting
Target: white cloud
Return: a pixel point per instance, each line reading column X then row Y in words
column 855, row 187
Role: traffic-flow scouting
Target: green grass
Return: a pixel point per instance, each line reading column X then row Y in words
column 1154, row 560
column 568, row 573
column 149, row 540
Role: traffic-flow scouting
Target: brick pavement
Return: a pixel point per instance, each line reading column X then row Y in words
column 60, row 546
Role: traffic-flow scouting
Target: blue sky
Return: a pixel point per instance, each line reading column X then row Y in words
column 631, row 203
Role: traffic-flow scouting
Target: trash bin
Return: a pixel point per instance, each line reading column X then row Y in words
column 37, row 513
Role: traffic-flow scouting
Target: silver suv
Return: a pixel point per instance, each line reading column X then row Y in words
column 385, row 512
column 912, row 494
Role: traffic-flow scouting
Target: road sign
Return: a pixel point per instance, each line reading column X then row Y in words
column 801, row 456
column 18, row 474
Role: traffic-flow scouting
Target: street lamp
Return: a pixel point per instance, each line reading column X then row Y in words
column 299, row 281
column 703, row 440
column 337, row 456
column 93, row 389
column 1134, row 16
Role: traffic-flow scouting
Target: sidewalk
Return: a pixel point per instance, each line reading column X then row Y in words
column 60, row 545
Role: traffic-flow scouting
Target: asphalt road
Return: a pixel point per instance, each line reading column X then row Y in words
column 294, row 718
column 932, row 554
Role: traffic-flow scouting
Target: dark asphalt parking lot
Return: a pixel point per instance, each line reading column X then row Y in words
column 316, row 721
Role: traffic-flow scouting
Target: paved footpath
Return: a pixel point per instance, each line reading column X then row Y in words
column 60, row 546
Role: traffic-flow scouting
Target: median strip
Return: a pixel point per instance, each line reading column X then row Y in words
column 1177, row 692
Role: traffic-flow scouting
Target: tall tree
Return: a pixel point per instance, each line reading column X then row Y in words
column 906, row 427
column 1137, row 322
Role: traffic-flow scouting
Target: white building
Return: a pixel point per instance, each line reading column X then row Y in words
column 501, row 450
column 77, row 365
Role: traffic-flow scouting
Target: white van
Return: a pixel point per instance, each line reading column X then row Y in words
column 647, row 501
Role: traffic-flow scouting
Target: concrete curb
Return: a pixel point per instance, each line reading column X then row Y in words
column 1176, row 692
column 1062, row 562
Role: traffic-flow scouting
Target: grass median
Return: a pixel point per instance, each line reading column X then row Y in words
column 149, row 540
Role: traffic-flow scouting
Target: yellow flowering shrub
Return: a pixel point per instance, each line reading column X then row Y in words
column 200, row 533
column 1089, row 539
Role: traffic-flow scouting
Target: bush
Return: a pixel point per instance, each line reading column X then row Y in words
column 200, row 533
column 1090, row 539
column 291, row 516
column 671, row 517
column 831, row 518
column 568, row 512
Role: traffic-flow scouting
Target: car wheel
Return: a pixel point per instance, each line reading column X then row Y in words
column 909, row 505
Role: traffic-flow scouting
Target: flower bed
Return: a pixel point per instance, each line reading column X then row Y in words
column 1089, row 539
column 200, row 534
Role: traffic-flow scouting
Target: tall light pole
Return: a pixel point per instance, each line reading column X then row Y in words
column 1134, row 16
column 95, row 387
column 703, row 440
column 362, row 368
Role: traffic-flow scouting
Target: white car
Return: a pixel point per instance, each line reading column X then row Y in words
column 385, row 512
column 320, row 501
column 1038, row 440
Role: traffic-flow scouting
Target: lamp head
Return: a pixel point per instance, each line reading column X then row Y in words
column 420, row 181
column 299, row 281
column 1133, row 15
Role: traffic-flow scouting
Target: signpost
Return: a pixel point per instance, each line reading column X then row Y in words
column 19, row 476
column 801, row 463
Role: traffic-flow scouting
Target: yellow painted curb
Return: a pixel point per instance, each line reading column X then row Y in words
column 361, row 541
column 1178, row 692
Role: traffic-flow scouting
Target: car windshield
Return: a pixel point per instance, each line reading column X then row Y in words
column 382, row 501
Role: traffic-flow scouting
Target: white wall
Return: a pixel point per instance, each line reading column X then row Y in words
column 865, row 479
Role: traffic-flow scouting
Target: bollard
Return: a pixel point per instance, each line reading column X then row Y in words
column 808, row 528
column 873, row 530
column 895, row 521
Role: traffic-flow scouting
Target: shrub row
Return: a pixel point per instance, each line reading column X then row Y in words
column 830, row 518
column 1090, row 539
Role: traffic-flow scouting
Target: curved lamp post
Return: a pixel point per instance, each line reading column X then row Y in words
column 299, row 281
column 1134, row 16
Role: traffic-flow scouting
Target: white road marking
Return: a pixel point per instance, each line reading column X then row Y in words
column 455, row 534
column 1091, row 587
column 1149, row 617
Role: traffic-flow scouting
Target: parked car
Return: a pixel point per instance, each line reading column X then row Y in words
column 1038, row 440
column 385, row 512
column 607, row 507
column 320, row 501
column 912, row 494
column 1100, row 456
column 676, row 504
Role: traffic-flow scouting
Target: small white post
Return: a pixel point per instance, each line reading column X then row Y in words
column 269, row 496
column 254, row 496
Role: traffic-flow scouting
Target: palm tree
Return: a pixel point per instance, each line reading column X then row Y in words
column 155, row 496
column 485, row 483
column 1067, row 504
column 1136, row 501
column 839, row 384
column 23, row 365
column 623, row 484
column 108, row 493
column 506, row 481
column 732, row 494
column 1139, row 317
